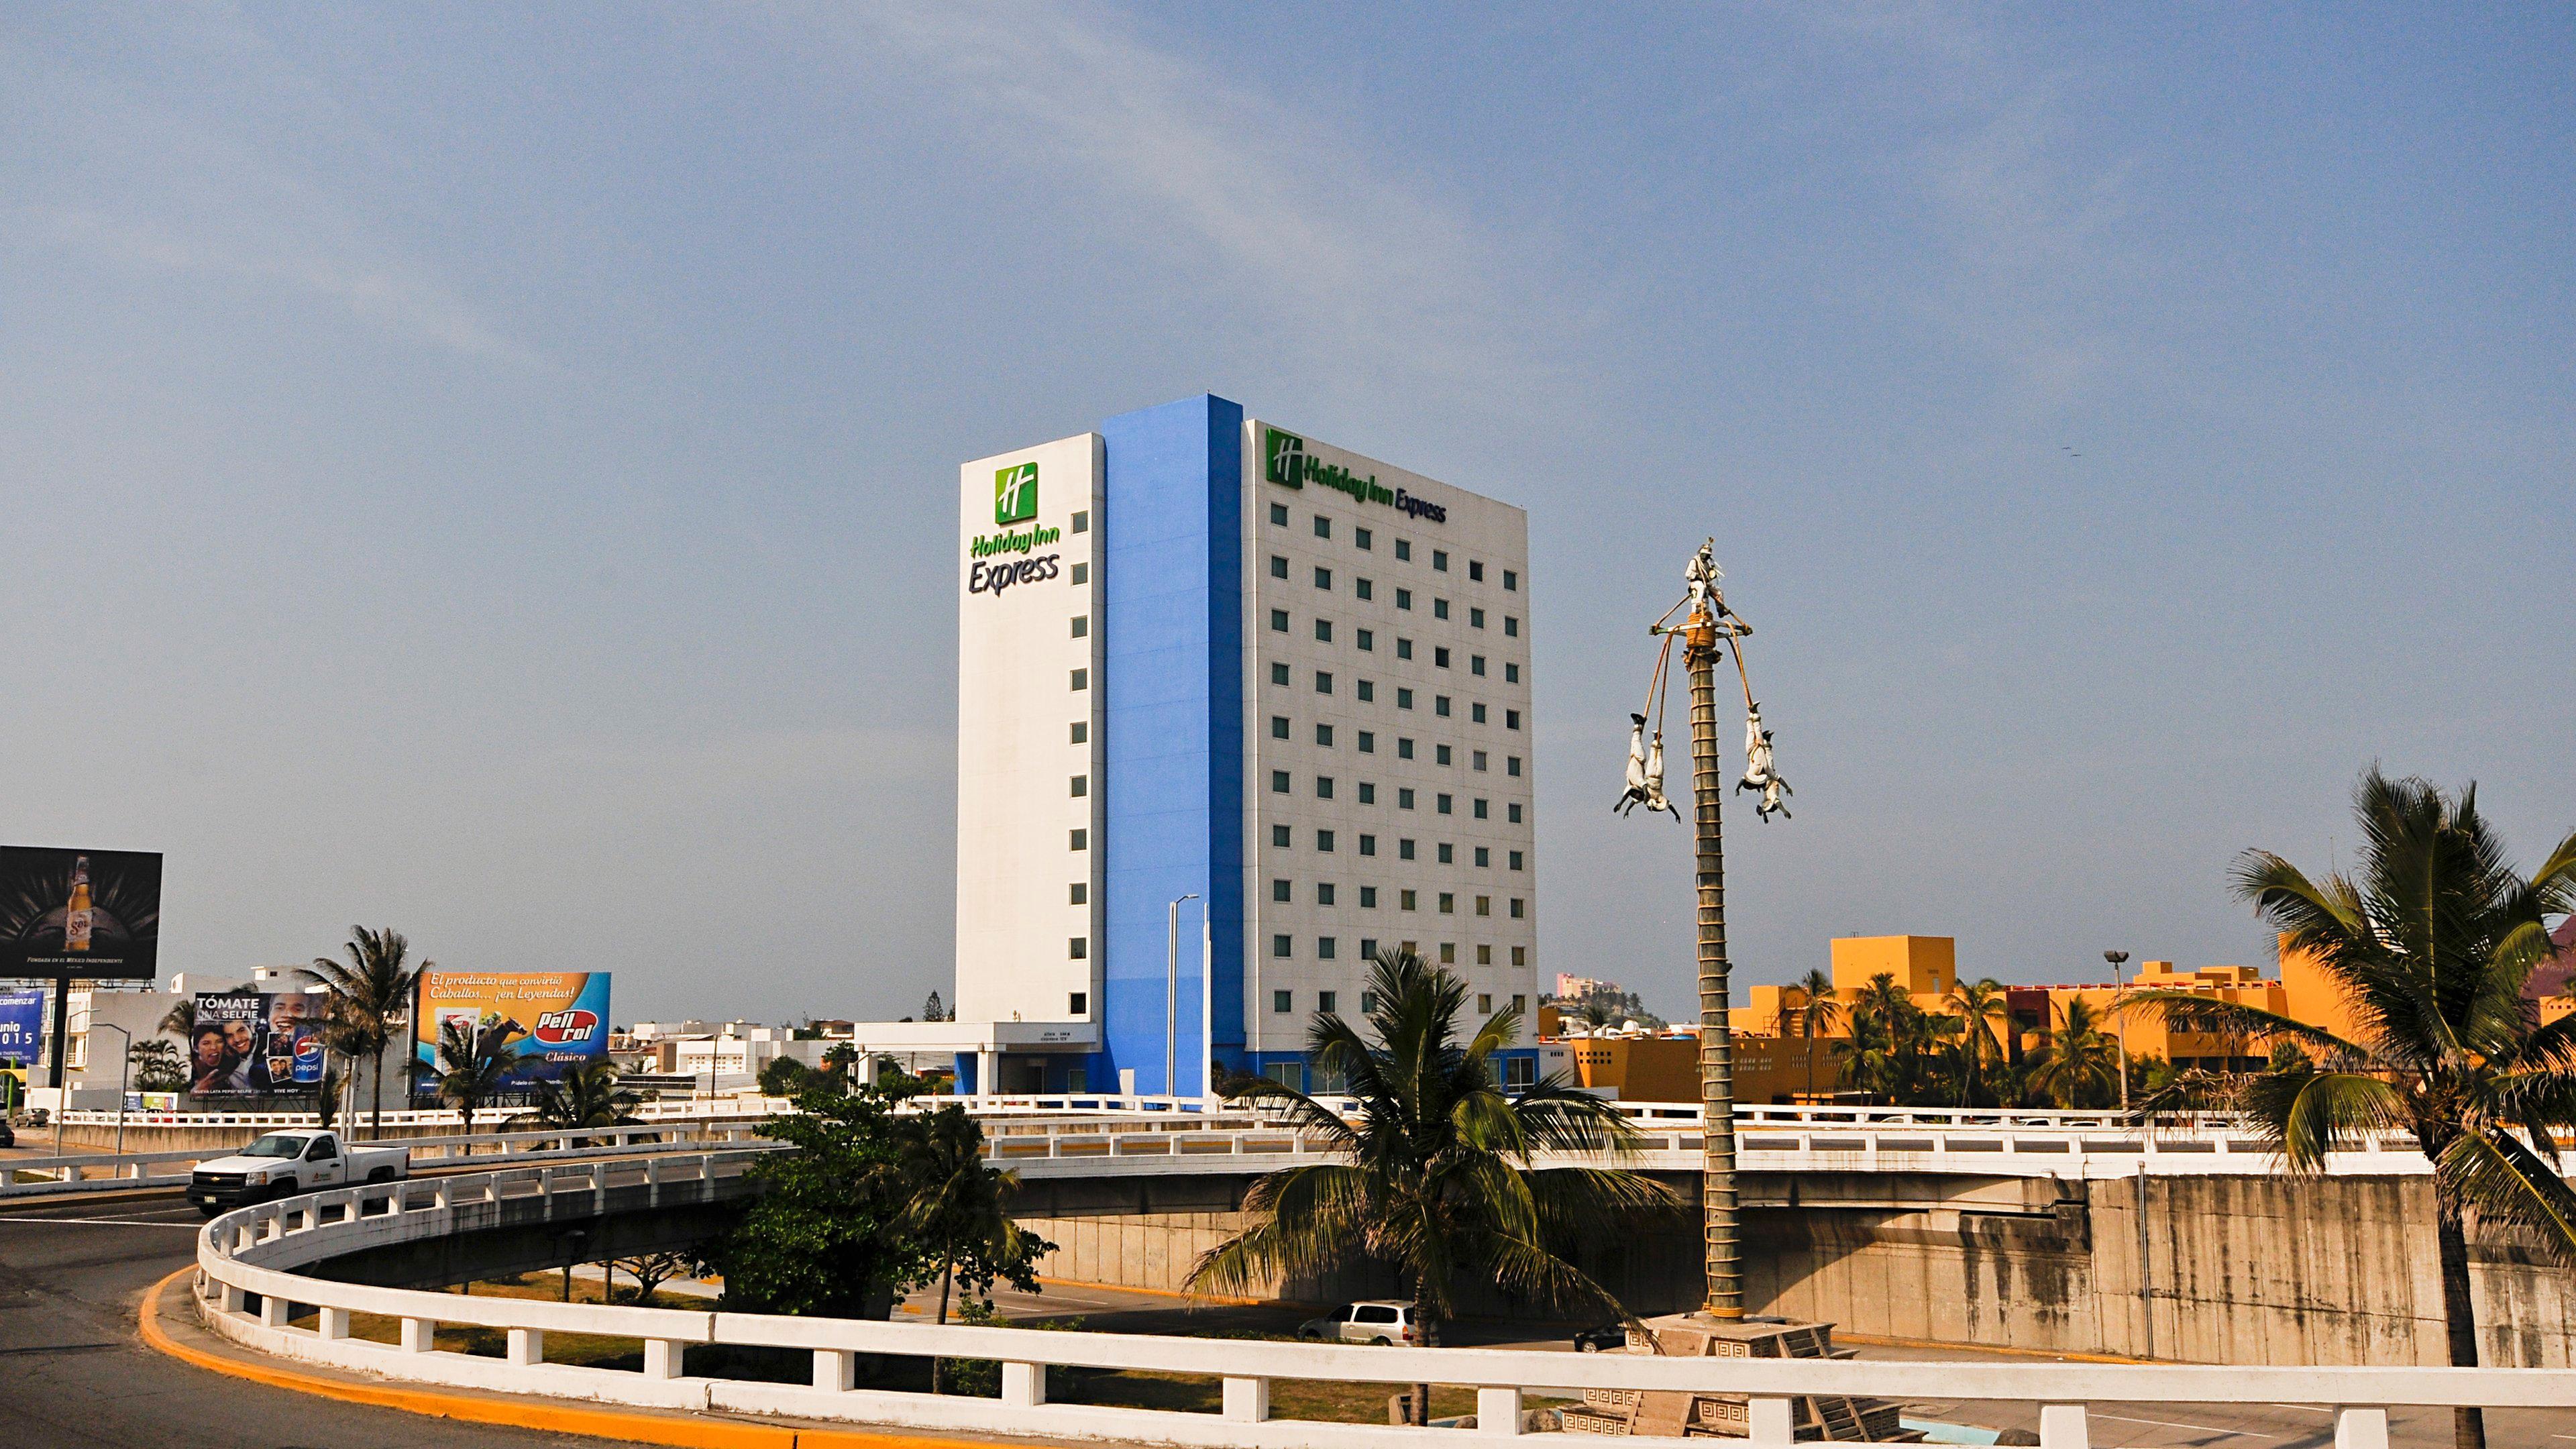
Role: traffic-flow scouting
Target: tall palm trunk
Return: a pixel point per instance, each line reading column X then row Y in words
column 376, row 1094
column 939, row 1366
column 1427, row 1324
column 2459, row 1317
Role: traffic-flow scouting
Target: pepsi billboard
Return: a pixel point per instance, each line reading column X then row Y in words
column 544, row 1021
column 257, row 1044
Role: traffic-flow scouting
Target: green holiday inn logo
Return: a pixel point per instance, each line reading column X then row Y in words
column 1285, row 461
column 1015, row 493
column 1284, row 457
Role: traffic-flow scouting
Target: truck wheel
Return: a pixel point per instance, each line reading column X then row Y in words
column 381, row 1174
column 282, row 1189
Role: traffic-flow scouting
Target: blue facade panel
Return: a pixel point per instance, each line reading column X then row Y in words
column 1172, row 721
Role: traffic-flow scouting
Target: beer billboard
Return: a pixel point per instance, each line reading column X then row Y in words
column 80, row 913
column 22, row 1026
column 256, row 1044
column 545, row 1020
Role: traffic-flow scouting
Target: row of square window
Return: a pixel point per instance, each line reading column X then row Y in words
column 1364, row 540
column 1366, row 692
column 1365, row 590
column 1367, row 641
column 1327, row 1001
column 1284, row 893
column 1443, row 802
column 1282, row 838
column 1367, row 741
column 1283, row 947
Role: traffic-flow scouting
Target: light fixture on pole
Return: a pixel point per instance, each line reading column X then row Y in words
column 1172, row 999
column 124, row 1065
column 1207, row 1002
column 2120, row 1019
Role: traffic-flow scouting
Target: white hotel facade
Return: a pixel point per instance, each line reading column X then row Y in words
column 1204, row 655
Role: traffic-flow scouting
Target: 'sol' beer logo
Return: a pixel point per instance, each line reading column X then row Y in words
column 1015, row 493
column 557, row 1028
column 1284, row 458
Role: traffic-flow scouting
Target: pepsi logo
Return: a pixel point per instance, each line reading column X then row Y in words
column 556, row 1028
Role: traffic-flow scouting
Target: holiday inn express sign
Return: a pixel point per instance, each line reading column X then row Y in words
column 1285, row 460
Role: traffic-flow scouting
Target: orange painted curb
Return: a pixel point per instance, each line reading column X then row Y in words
column 529, row 1413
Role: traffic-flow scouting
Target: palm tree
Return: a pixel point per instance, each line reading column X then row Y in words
column 2081, row 1065
column 1978, row 1005
column 371, row 995
column 958, row 1213
column 584, row 1096
column 1888, row 1036
column 2431, row 940
column 181, row 1019
column 1437, row 1174
column 1817, row 1012
column 470, row 1068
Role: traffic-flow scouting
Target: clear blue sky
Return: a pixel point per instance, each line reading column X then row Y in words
column 487, row 470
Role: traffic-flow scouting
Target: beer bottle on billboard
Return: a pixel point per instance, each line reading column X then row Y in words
column 76, row 918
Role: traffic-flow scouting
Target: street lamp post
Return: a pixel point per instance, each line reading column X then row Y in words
column 1172, row 1000
column 124, row 1065
column 2120, row 1019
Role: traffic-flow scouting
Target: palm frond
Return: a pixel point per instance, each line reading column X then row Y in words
column 2505, row 1181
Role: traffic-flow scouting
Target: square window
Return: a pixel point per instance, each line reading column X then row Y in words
column 1279, row 726
column 1403, row 697
column 1408, row 900
column 1475, row 618
column 1324, row 999
column 1082, row 679
column 1324, row 946
column 1520, row 1003
column 1448, row 953
column 1082, row 520
column 1082, row 626
column 1511, row 719
column 1368, row 738
column 1403, row 647
column 1368, row 950
column 1440, row 704
column 1367, row 691
column 1476, row 713
column 1282, row 946
column 1368, row 846
column 1282, row 891
column 1483, row 807
column 1484, row 856
column 1323, row 577
column 1079, row 893
column 1368, row 640
column 1368, row 899
column 1485, row 957
column 1441, row 754
column 1511, row 627
column 1279, row 837
column 1323, row 840
column 1077, row 1003
column 1484, row 905
column 1360, row 538
column 1403, row 748
column 1475, row 664
column 1516, row 860
column 1440, row 560
column 1077, row 949
column 1279, row 513
column 1363, row 589
column 1323, row 893
column 1448, row 903
column 1448, row 853
column 1368, row 793
column 1082, row 731
column 1323, row 682
column 1080, row 839
column 1279, row 621
column 1512, row 812
column 1403, row 797
column 1440, row 608
column 1081, row 574
column 1511, row 580
column 1278, row 566
column 1404, row 598
column 1511, row 672
column 1484, row 999
column 1323, row 526
column 1479, row 758
column 1279, row 782
column 1323, row 631
column 1439, row 656
column 1519, row 907
column 1475, row 571
column 1519, row 1072
column 1324, row 735
column 1279, row 1003
column 1445, row 802
column 1081, row 786
column 1323, row 787
column 1404, row 850
column 1512, row 766
column 1520, row 955
column 1404, row 549
column 1278, row 673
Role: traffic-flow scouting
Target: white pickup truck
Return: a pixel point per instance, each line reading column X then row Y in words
column 283, row 1164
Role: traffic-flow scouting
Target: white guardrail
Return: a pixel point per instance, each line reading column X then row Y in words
column 255, row 1252
column 109, row 1172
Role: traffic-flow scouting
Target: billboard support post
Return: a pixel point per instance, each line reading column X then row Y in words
column 62, row 1028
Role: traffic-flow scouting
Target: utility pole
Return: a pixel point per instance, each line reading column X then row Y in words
column 2120, row 1019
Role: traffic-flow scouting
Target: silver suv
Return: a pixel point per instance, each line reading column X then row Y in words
column 1378, row 1321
